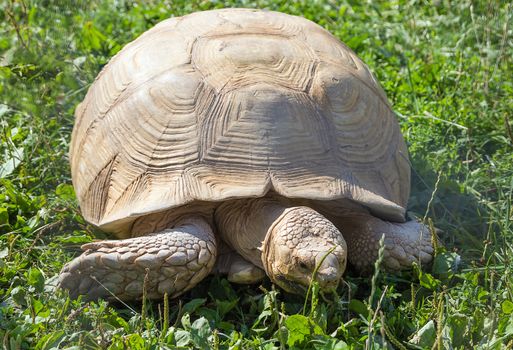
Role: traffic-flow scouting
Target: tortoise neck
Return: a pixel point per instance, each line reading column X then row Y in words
column 247, row 224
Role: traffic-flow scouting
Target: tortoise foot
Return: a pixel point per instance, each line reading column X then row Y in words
column 405, row 243
column 238, row 269
column 171, row 261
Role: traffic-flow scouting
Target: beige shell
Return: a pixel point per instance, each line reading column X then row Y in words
column 235, row 103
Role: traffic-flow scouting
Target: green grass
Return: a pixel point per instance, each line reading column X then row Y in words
column 447, row 67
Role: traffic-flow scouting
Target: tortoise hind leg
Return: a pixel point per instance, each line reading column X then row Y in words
column 172, row 261
column 405, row 243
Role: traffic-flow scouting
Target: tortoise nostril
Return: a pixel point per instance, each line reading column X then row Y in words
column 330, row 270
column 326, row 261
column 328, row 279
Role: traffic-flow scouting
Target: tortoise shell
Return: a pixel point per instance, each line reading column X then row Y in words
column 235, row 103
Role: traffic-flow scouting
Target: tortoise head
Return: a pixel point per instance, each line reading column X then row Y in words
column 303, row 246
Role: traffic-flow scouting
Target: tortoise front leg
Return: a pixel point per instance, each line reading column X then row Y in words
column 171, row 261
column 405, row 243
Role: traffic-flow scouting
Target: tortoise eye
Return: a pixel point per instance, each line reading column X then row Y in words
column 303, row 265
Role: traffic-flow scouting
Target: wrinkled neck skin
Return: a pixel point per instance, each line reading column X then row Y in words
column 245, row 224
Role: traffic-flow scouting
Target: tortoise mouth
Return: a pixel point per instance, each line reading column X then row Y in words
column 297, row 286
column 290, row 285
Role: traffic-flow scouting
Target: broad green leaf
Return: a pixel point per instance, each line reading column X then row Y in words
column 10, row 164
column 300, row 328
column 482, row 295
column 182, row 337
column 221, row 289
column 17, row 196
column 445, row 264
column 186, row 321
column 341, row 345
column 507, row 306
column 225, row 306
column 333, row 344
column 50, row 341
column 65, row 191
column 208, row 313
column 193, row 305
column 458, row 324
column 359, row 307
column 36, row 279
column 135, row 341
column 170, row 335
column 200, row 331
column 425, row 336
column 18, row 295
column 428, row 281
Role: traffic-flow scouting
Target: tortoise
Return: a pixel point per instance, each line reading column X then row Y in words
column 237, row 141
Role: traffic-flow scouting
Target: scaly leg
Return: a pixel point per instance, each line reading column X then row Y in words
column 405, row 243
column 171, row 261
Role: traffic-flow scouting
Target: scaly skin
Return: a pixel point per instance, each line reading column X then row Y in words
column 289, row 243
column 174, row 260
